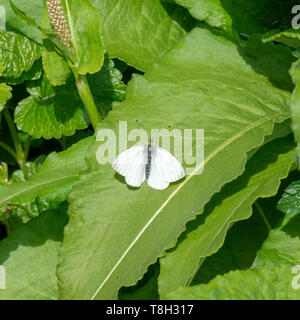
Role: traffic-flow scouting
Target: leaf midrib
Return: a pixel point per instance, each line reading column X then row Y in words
column 211, row 156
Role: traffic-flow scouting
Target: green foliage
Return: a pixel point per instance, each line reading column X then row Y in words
column 295, row 105
column 107, row 86
column 30, row 256
column 246, row 16
column 111, row 264
column 54, row 179
column 5, row 94
column 71, row 227
column 290, row 37
column 17, row 53
column 51, row 111
column 56, row 111
column 270, row 277
column 210, row 11
column 272, row 284
column 33, row 8
column 3, row 172
column 85, row 33
column 54, row 64
column 206, row 235
column 290, row 201
column 137, row 31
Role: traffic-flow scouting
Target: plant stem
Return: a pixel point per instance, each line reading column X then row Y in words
column 63, row 142
column 20, row 156
column 259, row 209
column 8, row 149
column 87, row 98
column 27, row 147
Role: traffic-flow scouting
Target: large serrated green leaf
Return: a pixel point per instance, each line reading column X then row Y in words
column 52, row 112
column 5, row 94
column 30, row 255
column 204, row 83
column 137, row 31
column 17, row 53
column 261, row 179
column 56, row 111
column 53, row 180
column 34, row 73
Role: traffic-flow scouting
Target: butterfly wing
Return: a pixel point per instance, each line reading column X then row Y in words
column 165, row 168
column 132, row 165
column 155, row 179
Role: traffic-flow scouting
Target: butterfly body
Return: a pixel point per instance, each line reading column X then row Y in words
column 148, row 163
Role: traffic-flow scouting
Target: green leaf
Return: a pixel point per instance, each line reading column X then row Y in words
column 48, row 32
column 30, row 255
column 270, row 278
column 261, row 179
column 5, row 94
column 31, row 7
column 56, row 111
column 204, row 83
column 211, row 12
column 13, row 215
column 248, row 17
column 272, row 284
column 51, row 112
column 290, row 37
column 281, row 249
column 17, row 53
column 54, row 179
column 28, row 170
column 16, row 214
column 276, row 69
column 33, row 74
column 240, row 246
column 86, row 38
column 107, row 86
column 280, row 130
column 295, row 103
column 3, row 172
column 181, row 15
column 145, row 289
column 137, row 31
column 54, row 64
column 290, row 200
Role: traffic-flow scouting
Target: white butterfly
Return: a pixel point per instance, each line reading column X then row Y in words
column 148, row 162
